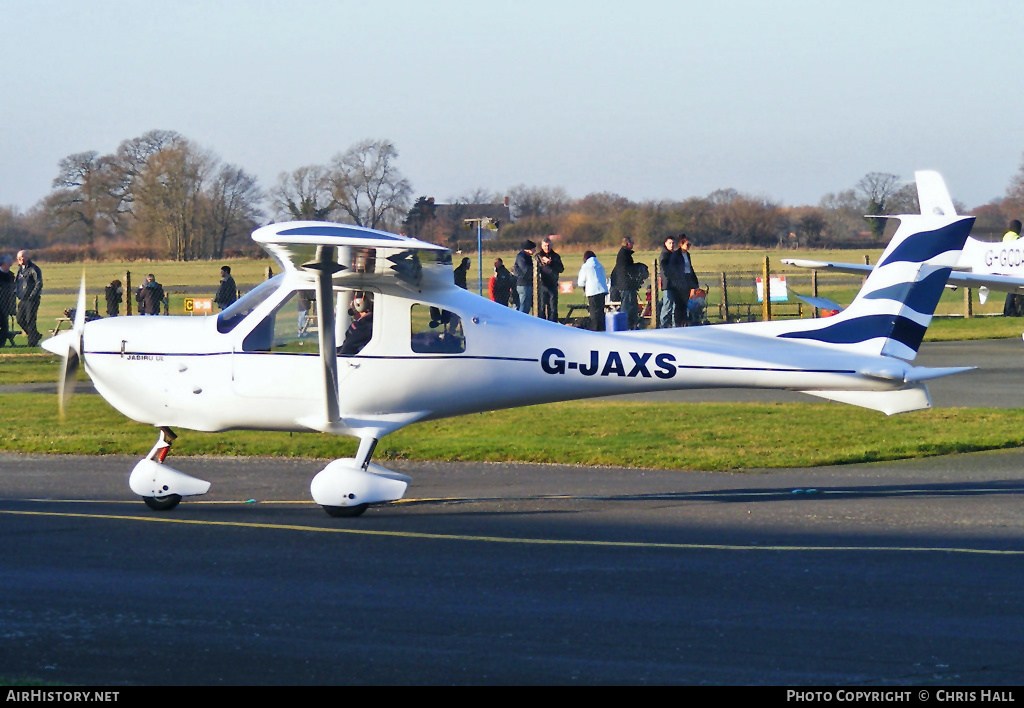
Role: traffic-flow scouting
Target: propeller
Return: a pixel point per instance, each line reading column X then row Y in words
column 74, row 355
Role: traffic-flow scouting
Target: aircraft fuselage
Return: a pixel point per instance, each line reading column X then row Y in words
column 182, row 372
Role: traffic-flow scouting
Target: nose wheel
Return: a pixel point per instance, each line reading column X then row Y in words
column 162, row 503
column 346, row 512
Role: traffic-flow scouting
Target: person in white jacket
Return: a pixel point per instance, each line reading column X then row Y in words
column 595, row 284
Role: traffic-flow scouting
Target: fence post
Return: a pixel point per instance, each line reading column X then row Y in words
column 655, row 296
column 814, row 289
column 270, row 273
column 536, row 283
column 968, row 304
column 725, row 299
column 766, row 308
column 127, row 292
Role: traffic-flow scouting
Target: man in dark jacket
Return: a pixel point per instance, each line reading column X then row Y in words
column 624, row 287
column 360, row 331
column 113, row 294
column 150, row 296
column 669, row 280
column 461, row 272
column 503, row 285
column 522, row 270
column 227, row 292
column 549, row 267
column 8, row 300
column 28, row 287
column 687, row 279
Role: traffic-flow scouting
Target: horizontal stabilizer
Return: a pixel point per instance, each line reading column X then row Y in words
column 889, row 402
column 857, row 268
column 925, row 373
column 914, row 374
column 822, row 303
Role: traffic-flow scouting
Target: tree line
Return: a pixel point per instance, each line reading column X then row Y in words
column 160, row 196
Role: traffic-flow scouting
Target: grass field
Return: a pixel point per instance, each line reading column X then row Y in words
column 654, row 435
column 200, row 279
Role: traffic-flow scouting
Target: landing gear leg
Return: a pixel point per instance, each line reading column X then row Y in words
column 160, row 486
column 160, row 452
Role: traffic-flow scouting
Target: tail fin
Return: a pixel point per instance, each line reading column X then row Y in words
column 892, row 311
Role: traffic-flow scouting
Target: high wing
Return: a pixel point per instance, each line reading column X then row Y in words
column 360, row 257
column 341, row 256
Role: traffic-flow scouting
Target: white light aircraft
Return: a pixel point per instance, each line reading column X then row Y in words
column 985, row 265
column 435, row 350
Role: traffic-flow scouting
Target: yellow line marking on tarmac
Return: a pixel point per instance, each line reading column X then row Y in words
column 508, row 540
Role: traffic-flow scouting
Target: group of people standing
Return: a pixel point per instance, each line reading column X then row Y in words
column 548, row 266
column 678, row 280
column 150, row 296
column 515, row 288
column 20, row 294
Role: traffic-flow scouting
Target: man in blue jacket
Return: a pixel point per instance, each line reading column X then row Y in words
column 523, row 273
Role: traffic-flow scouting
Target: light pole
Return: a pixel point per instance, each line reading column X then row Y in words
column 480, row 223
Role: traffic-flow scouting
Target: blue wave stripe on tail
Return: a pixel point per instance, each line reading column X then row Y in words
column 921, row 296
column 926, row 245
column 861, row 329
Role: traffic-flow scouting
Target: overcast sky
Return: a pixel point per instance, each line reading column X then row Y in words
column 786, row 99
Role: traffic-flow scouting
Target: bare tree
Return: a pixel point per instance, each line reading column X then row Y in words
column 234, row 202
column 530, row 202
column 368, row 187
column 878, row 189
column 480, row 195
column 1015, row 192
column 304, row 194
column 904, row 201
column 83, row 205
column 169, row 197
column 129, row 163
column 843, row 214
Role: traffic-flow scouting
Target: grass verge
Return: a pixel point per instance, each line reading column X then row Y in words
column 713, row 437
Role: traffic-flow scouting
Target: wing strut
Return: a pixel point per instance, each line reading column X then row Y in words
column 326, row 266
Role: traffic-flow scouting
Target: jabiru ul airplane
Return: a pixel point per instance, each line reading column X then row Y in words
column 432, row 350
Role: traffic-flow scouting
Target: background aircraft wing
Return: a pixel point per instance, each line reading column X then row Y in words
column 958, row 278
column 1001, row 283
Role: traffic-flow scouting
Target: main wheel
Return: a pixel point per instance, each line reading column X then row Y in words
column 162, row 503
column 346, row 511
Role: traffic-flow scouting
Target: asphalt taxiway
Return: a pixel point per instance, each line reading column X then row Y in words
column 870, row 575
column 887, row 574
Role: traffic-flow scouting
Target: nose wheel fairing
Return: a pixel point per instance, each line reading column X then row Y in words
column 160, row 485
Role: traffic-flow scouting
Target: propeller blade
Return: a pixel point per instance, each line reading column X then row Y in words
column 326, row 266
column 79, row 324
column 66, row 382
column 74, row 355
